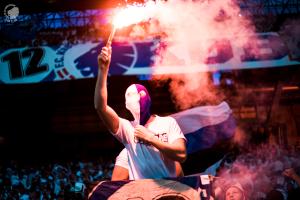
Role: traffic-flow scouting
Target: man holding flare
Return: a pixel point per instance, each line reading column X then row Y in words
column 154, row 144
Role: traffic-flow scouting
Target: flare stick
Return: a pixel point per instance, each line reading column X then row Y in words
column 110, row 38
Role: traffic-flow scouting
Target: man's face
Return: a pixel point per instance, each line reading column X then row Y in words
column 233, row 193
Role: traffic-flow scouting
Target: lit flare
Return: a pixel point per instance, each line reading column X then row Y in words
column 132, row 14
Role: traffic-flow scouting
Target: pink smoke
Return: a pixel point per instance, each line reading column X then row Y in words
column 290, row 33
column 258, row 170
column 189, row 33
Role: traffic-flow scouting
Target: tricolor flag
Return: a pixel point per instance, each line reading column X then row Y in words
column 205, row 127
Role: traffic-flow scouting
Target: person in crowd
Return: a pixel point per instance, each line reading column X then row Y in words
column 294, row 190
column 291, row 173
column 154, row 144
column 235, row 192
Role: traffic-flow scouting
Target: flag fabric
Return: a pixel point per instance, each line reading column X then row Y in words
column 208, row 130
column 192, row 187
column 204, row 126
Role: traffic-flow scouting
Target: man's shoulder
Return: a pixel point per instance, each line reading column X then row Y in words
column 125, row 121
column 165, row 118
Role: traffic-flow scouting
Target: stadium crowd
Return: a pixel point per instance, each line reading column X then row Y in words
column 259, row 173
column 55, row 180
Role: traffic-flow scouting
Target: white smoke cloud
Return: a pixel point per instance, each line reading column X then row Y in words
column 188, row 30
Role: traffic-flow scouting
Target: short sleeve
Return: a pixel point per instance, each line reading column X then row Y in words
column 125, row 131
column 122, row 159
column 174, row 131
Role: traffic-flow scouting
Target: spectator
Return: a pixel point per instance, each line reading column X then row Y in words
column 235, row 192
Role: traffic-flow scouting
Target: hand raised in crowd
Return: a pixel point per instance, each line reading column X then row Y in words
column 104, row 58
column 290, row 173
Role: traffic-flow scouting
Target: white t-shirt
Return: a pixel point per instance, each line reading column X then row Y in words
column 146, row 161
column 122, row 159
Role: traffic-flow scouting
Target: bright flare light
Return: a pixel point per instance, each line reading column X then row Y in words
column 132, row 14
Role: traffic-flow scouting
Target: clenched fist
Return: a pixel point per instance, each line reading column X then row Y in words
column 142, row 133
column 104, row 58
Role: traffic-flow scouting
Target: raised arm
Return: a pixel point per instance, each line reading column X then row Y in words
column 106, row 113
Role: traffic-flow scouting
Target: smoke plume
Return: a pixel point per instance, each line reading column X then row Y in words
column 189, row 33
